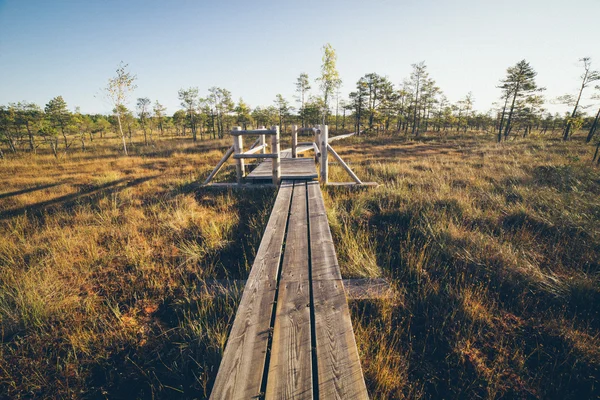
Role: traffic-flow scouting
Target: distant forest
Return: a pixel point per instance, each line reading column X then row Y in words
column 375, row 106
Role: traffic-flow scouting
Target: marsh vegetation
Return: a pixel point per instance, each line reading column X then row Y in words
column 491, row 250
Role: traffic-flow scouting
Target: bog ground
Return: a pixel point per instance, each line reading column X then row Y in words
column 492, row 251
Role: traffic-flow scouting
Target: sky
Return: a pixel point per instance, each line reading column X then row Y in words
column 257, row 49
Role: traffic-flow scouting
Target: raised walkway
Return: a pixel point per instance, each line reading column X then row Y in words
column 292, row 337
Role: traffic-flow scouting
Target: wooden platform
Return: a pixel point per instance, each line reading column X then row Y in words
column 291, row 168
column 292, row 337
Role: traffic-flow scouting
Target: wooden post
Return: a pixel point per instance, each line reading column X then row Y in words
column 262, row 140
column 294, row 141
column 318, row 143
column 324, row 167
column 276, row 161
column 238, row 147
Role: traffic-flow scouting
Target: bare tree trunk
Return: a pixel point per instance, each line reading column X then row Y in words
column 122, row 134
column 11, row 143
column 593, row 128
column 30, row 136
column 414, row 127
column 568, row 127
column 596, row 153
column 54, row 146
column 510, row 114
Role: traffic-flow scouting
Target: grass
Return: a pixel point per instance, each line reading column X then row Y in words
column 492, row 251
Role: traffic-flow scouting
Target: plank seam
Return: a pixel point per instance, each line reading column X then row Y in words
column 313, row 327
column 265, row 375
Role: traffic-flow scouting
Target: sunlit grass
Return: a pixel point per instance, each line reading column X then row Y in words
column 491, row 251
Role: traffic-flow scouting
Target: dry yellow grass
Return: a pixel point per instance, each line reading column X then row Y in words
column 492, row 251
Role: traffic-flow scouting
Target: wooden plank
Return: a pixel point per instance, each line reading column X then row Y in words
column 334, row 138
column 241, row 370
column 346, row 167
column 291, row 168
column 255, row 149
column 338, row 365
column 290, row 368
column 228, row 153
column 339, row 372
column 252, row 155
column 355, row 289
column 229, row 185
column 352, row 185
column 253, row 132
column 368, row 289
column 323, row 258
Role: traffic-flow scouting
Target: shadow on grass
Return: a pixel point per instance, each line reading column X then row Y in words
column 69, row 200
column 180, row 359
column 434, row 325
column 30, row 190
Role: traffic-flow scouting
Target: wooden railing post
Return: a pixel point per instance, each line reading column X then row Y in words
column 262, row 141
column 277, row 160
column 324, row 165
column 294, row 141
column 238, row 148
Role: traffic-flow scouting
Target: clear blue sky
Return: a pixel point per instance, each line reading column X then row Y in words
column 257, row 49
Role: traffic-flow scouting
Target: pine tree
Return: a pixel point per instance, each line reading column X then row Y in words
column 519, row 83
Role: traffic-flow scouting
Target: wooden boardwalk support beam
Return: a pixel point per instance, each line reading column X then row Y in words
column 228, row 154
column 346, row 167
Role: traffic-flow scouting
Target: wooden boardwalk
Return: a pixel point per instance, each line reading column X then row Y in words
column 291, row 168
column 292, row 337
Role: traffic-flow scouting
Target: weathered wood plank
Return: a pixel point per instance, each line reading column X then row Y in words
column 323, row 258
column 338, row 365
column 339, row 372
column 241, row 369
column 253, row 132
column 290, row 368
column 291, row 168
column 355, row 289
column 334, row 138
column 346, row 166
column 353, row 185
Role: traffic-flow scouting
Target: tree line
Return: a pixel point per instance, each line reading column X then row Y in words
column 374, row 106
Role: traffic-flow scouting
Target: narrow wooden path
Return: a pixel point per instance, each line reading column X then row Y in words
column 291, row 168
column 292, row 337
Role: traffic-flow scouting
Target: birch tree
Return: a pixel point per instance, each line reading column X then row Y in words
column 118, row 90
column 330, row 78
